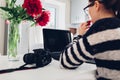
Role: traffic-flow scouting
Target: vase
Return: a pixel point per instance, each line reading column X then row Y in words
column 13, row 41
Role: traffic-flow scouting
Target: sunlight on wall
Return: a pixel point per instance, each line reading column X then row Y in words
column 2, row 31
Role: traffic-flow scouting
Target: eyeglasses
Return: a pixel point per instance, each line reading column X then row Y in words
column 91, row 4
column 86, row 10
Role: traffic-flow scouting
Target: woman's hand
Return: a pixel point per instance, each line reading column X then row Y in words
column 83, row 28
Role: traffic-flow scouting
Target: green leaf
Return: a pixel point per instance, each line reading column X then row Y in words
column 5, row 9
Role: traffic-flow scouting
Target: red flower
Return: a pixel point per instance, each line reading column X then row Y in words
column 43, row 19
column 33, row 7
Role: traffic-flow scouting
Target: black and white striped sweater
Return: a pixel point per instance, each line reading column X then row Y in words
column 101, row 44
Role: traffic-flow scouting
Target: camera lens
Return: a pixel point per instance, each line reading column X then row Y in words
column 29, row 58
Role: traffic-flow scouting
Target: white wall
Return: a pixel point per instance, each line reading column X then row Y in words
column 67, row 12
column 77, row 13
column 67, row 15
column 2, row 24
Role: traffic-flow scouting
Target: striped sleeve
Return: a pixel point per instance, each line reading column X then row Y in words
column 75, row 54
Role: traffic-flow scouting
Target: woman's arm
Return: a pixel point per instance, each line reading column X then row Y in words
column 76, row 52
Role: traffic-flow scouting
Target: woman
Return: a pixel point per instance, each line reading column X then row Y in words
column 100, row 43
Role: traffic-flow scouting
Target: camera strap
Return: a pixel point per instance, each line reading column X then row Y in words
column 17, row 69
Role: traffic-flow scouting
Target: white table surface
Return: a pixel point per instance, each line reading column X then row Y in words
column 50, row 72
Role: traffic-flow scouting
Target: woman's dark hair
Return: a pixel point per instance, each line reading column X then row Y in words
column 110, row 4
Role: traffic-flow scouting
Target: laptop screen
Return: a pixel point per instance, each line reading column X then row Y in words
column 56, row 40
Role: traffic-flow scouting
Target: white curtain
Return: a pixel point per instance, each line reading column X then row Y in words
column 35, row 38
column 30, row 38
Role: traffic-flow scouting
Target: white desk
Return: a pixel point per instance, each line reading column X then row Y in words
column 50, row 72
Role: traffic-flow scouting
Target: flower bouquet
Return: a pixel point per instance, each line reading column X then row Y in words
column 31, row 10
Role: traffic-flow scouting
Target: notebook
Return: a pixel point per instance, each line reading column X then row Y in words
column 55, row 41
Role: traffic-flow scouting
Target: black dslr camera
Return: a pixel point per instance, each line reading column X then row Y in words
column 40, row 57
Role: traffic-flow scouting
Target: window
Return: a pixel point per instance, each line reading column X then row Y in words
column 52, row 23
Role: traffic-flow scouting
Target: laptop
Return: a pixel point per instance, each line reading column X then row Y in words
column 55, row 41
